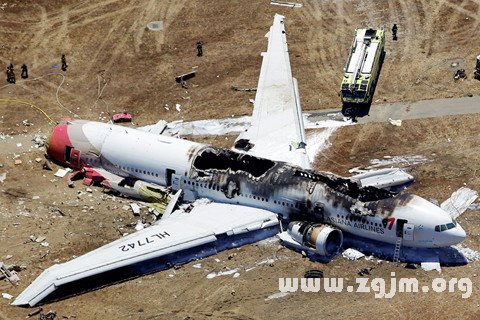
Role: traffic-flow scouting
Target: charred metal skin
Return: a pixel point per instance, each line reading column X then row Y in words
column 228, row 176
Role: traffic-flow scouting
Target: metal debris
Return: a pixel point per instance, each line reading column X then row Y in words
column 313, row 274
column 35, row 312
column 8, row 273
column 7, row 296
column 286, row 4
column 352, row 254
column 135, row 208
column 47, row 166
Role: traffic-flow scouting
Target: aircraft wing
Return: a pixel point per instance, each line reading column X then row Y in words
column 180, row 238
column 277, row 130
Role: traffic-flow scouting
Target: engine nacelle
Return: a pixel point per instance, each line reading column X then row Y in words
column 324, row 239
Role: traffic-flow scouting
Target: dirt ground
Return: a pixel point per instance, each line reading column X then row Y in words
column 115, row 63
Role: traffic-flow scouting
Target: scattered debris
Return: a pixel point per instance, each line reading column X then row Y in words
column 277, row 295
column 313, row 274
column 50, row 315
column 39, row 140
column 7, row 296
column 122, row 117
column 243, row 89
column 364, row 272
column 139, row 226
column 469, row 254
column 212, row 275
column 197, row 266
column 352, row 254
column 38, row 160
column 135, row 208
column 460, row 74
column 286, row 4
column 17, row 162
column 3, row 176
column 184, row 77
column 47, row 166
column 9, row 273
column 397, row 123
column 429, row 266
column 476, row 73
column 62, row 172
column 155, row 25
column 178, row 107
column 408, row 160
column 35, row 312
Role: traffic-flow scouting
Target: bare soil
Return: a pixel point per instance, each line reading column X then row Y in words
column 116, row 64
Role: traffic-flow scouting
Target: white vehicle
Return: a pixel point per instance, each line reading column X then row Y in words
column 266, row 180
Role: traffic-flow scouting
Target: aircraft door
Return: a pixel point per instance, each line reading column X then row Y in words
column 318, row 212
column 408, row 229
column 75, row 158
column 399, row 229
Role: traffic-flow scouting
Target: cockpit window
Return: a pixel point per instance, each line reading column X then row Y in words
column 448, row 226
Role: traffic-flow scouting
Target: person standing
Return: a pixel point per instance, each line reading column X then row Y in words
column 394, row 32
column 24, row 71
column 199, row 48
column 64, row 63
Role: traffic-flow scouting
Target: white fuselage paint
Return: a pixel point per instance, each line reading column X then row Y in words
column 132, row 153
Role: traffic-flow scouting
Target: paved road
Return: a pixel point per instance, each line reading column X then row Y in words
column 413, row 110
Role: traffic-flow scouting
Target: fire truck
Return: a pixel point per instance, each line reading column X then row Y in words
column 363, row 66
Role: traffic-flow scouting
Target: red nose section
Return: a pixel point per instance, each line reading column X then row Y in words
column 59, row 140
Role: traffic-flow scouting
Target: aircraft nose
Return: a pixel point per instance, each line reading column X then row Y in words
column 57, row 142
column 452, row 236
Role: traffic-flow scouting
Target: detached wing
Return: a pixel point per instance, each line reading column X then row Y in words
column 207, row 229
column 277, row 131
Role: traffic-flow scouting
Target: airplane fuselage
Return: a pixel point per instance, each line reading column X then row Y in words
column 227, row 176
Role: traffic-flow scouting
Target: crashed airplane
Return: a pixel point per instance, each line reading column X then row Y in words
column 264, row 182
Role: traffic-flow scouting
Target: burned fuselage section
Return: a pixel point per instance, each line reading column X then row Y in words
column 292, row 192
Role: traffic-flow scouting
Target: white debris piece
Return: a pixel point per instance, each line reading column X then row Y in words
column 212, row 275
column 286, row 4
column 61, row 173
column 178, row 107
column 19, row 145
column 408, row 160
column 3, row 176
column 459, row 201
column 35, row 197
column 139, row 225
column 45, row 244
column 352, row 254
column 397, row 123
column 429, row 266
column 469, row 254
column 7, row 296
column 39, row 239
column 197, row 266
column 135, row 208
column 277, row 295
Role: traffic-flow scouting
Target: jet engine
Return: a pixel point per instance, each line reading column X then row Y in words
column 324, row 239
